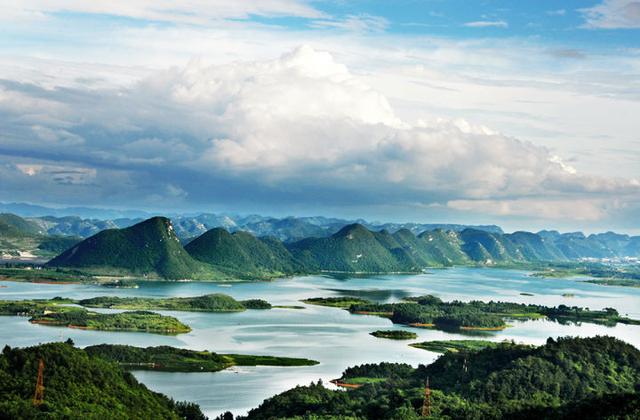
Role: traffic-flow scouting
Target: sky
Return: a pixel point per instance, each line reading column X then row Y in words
column 523, row 114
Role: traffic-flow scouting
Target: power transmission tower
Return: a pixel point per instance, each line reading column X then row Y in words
column 426, row 406
column 38, row 397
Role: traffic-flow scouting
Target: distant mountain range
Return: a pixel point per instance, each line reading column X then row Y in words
column 151, row 248
column 84, row 222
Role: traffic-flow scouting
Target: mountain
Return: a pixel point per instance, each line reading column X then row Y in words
column 149, row 248
column 353, row 249
column 77, row 386
column 24, row 240
column 243, row 254
column 12, row 225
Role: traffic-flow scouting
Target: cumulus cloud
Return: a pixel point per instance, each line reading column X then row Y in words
column 294, row 128
column 613, row 14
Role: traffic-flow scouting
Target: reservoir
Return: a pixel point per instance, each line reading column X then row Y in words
column 334, row 337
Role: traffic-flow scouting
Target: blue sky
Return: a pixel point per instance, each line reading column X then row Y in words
column 516, row 113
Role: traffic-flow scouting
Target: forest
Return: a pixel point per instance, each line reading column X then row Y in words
column 560, row 379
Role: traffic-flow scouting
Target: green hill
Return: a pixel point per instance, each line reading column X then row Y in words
column 78, row 386
column 242, row 254
column 150, row 249
column 20, row 237
column 561, row 379
column 353, row 249
column 12, row 225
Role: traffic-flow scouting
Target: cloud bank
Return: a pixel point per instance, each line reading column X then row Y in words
column 297, row 129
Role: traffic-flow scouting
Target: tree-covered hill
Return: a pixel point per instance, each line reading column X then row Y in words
column 78, row 386
column 562, row 379
column 150, row 248
column 243, row 254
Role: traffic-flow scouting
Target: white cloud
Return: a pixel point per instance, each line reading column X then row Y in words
column 613, row 14
column 487, row 24
column 585, row 210
column 301, row 122
column 354, row 23
column 193, row 11
column 71, row 175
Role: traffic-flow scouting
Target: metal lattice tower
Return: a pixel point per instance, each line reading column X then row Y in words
column 38, row 397
column 426, row 406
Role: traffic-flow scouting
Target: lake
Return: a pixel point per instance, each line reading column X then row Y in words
column 332, row 336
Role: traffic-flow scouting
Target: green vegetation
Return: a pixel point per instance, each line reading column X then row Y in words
column 43, row 275
column 608, row 275
column 242, row 255
column 22, row 238
column 217, row 302
column 140, row 321
column 561, row 379
column 149, row 249
column 430, row 311
column 78, row 385
column 443, row 346
column 120, row 284
column 171, row 359
column 616, row 282
column 395, row 334
column 336, row 302
column 256, row 304
column 55, row 312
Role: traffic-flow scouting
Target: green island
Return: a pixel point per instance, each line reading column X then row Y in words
column 335, row 302
column 431, row 312
column 444, row 346
column 56, row 312
column 171, row 359
column 395, row 334
column 505, row 381
column 216, row 302
column 607, row 275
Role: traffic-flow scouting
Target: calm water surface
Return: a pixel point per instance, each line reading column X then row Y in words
column 334, row 337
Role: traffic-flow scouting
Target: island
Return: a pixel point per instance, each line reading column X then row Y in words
column 171, row 359
column 336, row 302
column 625, row 275
column 57, row 312
column 395, row 334
column 216, row 302
column 444, row 346
column 431, row 312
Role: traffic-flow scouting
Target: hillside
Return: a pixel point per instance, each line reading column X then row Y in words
column 149, row 248
column 23, row 239
column 352, row 249
column 557, row 380
column 243, row 254
column 77, row 386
